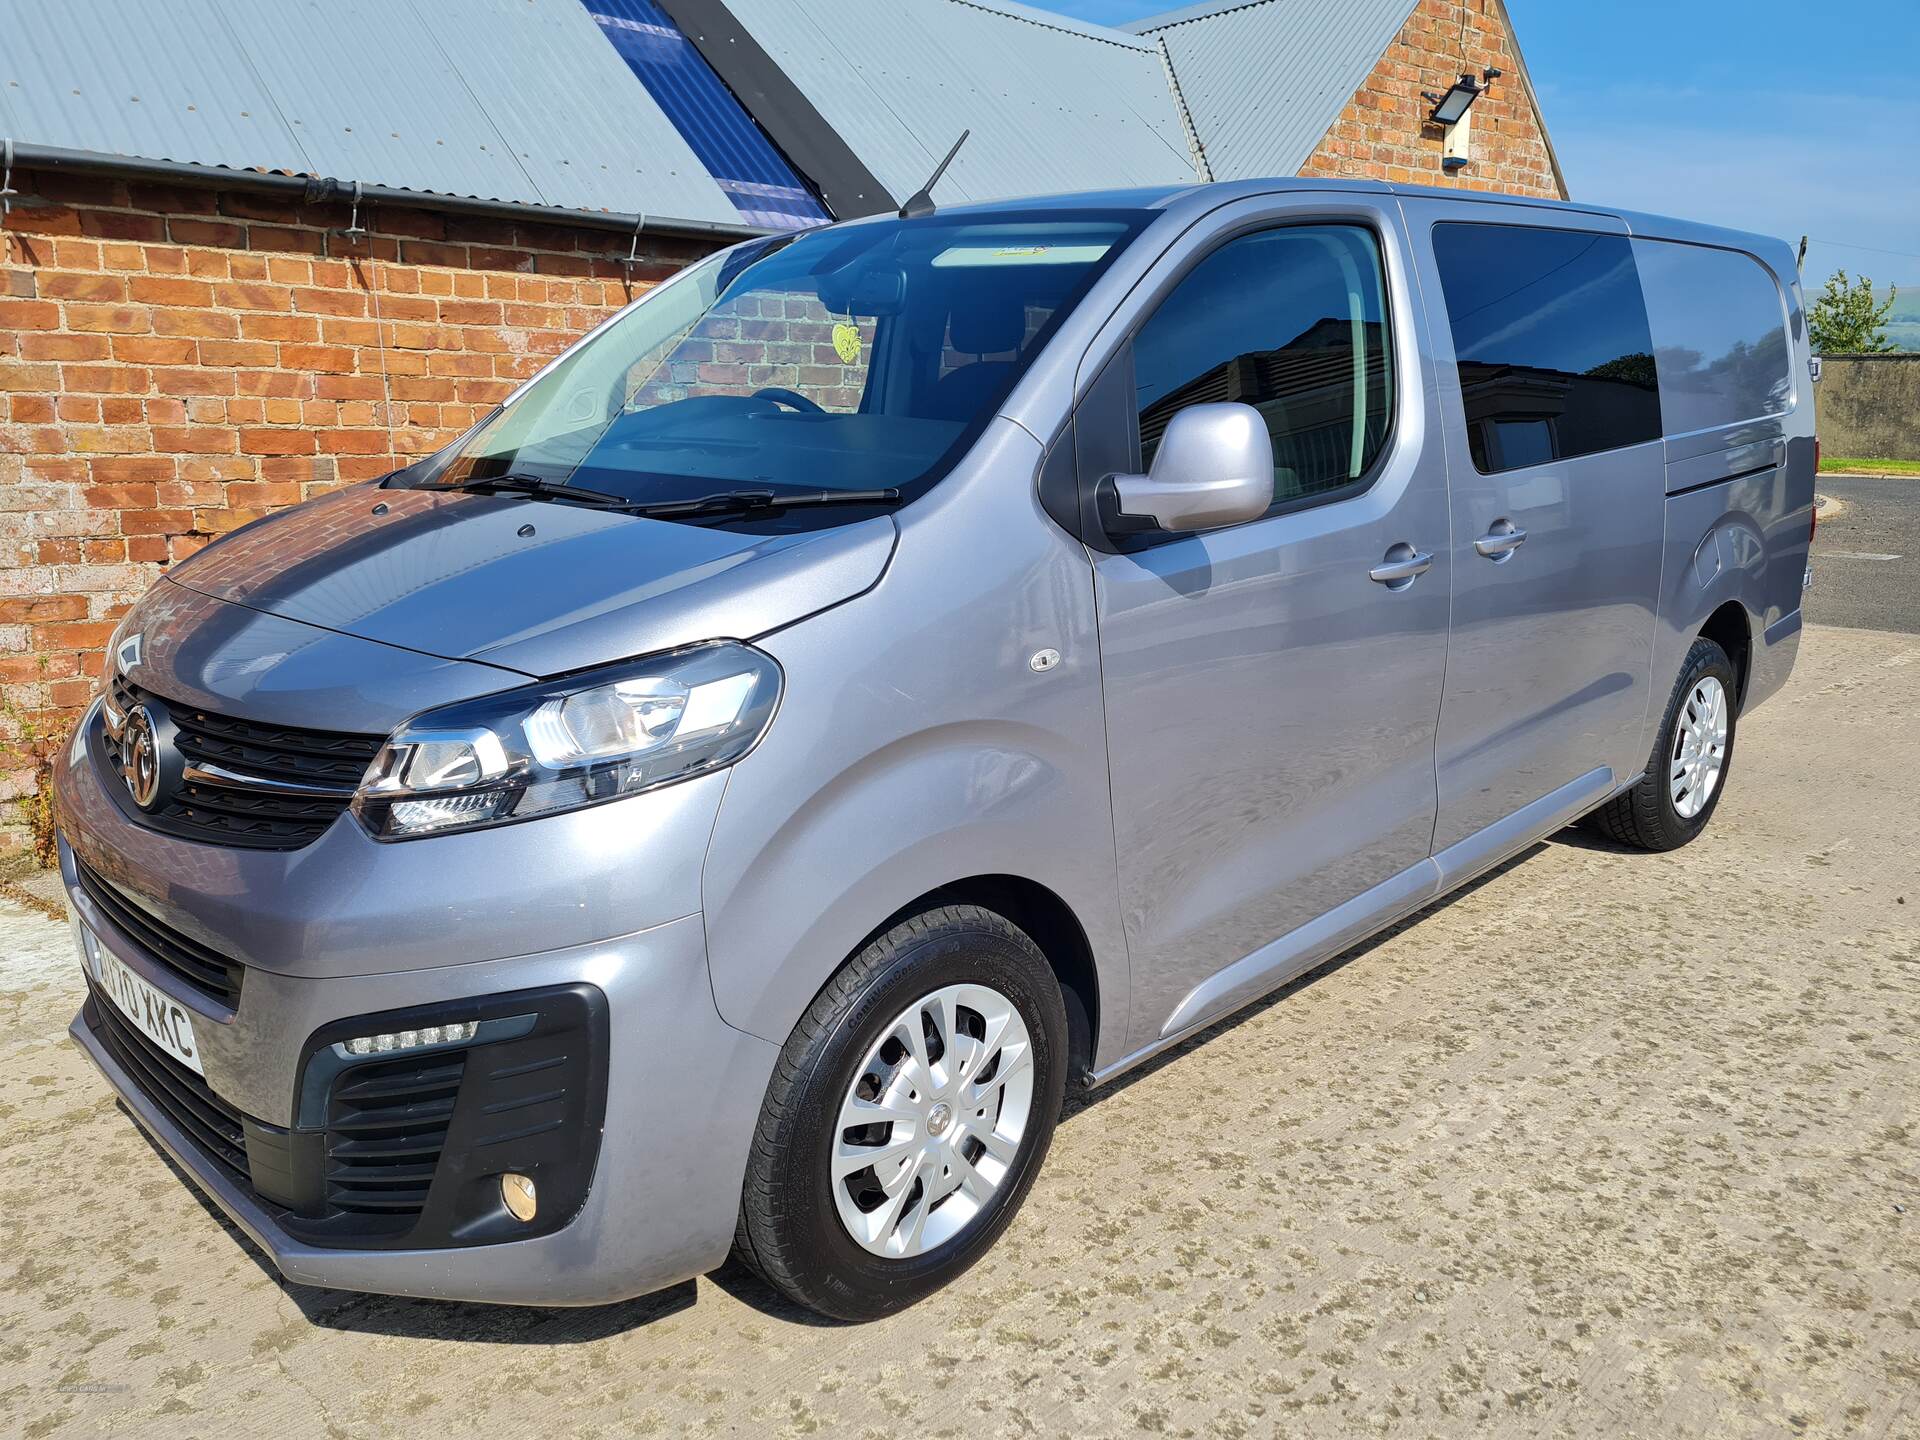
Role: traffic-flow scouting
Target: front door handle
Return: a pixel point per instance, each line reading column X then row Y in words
column 1503, row 537
column 1403, row 565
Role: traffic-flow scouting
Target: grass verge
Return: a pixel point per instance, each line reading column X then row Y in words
column 1853, row 464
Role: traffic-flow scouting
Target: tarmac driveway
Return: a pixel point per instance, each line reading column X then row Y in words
column 1611, row 1143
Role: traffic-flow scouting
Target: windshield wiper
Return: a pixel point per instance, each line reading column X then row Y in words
column 730, row 502
column 534, row 488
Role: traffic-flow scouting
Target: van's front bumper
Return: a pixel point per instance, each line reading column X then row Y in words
column 682, row 1089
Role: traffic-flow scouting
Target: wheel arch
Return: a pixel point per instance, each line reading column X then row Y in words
column 1051, row 924
column 1731, row 628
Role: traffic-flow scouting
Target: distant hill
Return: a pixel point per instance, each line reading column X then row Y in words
column 1903, row 325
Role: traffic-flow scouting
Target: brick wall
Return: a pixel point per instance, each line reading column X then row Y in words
column 1383, row 133
column 175, row 362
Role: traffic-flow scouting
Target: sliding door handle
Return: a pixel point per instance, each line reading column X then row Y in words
column 1501, row 540
column 1403, row 565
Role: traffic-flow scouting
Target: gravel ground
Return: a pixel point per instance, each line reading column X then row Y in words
column 1608, row 1144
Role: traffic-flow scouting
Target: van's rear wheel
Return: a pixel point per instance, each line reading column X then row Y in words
column 907, row 1116
column 1686, row 774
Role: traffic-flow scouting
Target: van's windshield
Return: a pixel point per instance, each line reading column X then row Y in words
column 854, row 359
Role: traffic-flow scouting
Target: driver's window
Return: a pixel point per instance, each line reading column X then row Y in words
column 782, row 343
column 1290, row 321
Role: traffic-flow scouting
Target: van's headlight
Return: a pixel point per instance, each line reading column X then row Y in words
column 564, row 744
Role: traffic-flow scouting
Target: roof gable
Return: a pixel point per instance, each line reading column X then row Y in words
column 1263, row 80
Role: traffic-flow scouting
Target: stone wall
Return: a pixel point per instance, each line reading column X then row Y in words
column 1869, row 406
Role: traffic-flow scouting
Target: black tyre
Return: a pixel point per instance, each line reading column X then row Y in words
column 907, row 1116
column 1687, row 772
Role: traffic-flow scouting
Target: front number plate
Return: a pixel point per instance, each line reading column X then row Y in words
column 158, row 1016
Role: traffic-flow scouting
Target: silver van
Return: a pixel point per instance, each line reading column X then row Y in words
column 893, row 673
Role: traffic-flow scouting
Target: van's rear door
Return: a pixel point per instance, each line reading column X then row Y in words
column 1555, row 473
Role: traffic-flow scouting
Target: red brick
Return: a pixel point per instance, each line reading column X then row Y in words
column 64, row 347
column 252, row 295
column 119, row 469
column 277, row 382
column 221, row 234
column 330, row 302
column 105, row 379
column 207, row 324
column 169, row 290
column 79, row 285
column 18, row 609
column 352, row 442
column 156, row 522
column 278, row 237
column 153, row 350
column 349, row 387
column 195, row 381
column 302, row 329
column 121, row 497
column 204, row 440
column 238, row 352
column 115, row 226
column 277, row 442
column 335, row 358
column 29, row 315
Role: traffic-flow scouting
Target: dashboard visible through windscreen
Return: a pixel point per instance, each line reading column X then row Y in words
column 857, row 358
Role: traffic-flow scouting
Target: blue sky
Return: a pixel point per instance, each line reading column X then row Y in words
column 1759, row 114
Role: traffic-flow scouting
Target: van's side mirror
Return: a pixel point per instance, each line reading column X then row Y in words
column 1214, row 467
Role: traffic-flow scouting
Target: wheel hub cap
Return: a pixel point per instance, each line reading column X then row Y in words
column 930, row 1127
column 1699, row 748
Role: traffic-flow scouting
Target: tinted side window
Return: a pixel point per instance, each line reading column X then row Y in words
column 1550, row 331
column 1719, row 335
column 1293, row 323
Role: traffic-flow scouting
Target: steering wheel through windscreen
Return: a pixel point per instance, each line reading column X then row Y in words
column 792, row 399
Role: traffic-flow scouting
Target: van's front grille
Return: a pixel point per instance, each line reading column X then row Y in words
column 214, row 1125
column 264, row 787
column 209, row 973
column 386, row 1126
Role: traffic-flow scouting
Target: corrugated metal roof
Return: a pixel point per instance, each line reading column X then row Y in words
column 1053, row 105
column 1263, row 80
column 521, row 101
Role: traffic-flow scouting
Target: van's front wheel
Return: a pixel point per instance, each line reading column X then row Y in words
column 907, row 1117
column 1687, row 771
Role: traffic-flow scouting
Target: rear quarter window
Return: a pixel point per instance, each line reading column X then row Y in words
column 1551, row 337
column 1719, row 335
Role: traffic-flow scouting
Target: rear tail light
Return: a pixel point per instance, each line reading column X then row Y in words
column 1813, row 528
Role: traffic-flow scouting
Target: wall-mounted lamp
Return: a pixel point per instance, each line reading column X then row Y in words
column 1454, row 111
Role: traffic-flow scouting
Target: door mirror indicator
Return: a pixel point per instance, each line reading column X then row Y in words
column 1214, row 468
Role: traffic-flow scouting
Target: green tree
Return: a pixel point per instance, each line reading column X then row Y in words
column 1846, row 321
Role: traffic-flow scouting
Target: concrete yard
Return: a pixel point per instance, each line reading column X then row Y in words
column 1610, row 1144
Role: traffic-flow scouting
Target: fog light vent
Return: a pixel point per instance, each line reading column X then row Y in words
column 395, row 1041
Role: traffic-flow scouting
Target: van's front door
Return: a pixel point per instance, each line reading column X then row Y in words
column 1557, row 472
column 1270, row 703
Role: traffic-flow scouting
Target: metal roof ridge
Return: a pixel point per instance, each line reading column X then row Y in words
column 1186, row 14
column 1118, row 37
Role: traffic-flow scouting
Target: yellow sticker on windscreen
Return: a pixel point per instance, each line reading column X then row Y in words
column 846, row 342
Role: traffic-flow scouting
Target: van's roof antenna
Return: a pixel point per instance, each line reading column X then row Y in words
column 921, row 202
